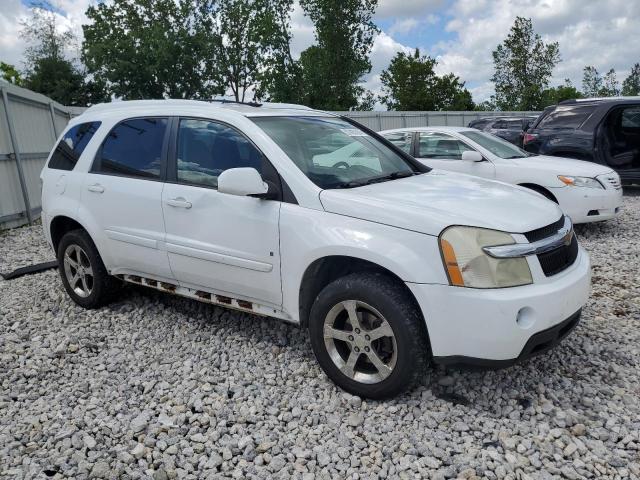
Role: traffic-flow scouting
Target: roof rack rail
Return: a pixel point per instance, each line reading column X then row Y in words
column 597, row 99
column 225, row 100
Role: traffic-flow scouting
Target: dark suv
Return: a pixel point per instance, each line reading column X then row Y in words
column 511, row 129
column 601, row 130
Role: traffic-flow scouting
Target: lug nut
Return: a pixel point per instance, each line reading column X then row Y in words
column 366, row 349
column 351, row 337
column 356, row 349
column 367, row 337
column 357, row 330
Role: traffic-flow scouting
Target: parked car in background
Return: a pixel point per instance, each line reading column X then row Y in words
column 385, row 261
column 585, row 191
column 599, row 130
column 510, row 128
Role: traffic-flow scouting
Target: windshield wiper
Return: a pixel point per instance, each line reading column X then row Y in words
column 369, row 181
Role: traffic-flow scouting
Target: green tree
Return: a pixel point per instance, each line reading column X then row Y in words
column 610, row 85
column 9, row 73
column 48, row 69
column 554, row 95
column 154, row 48
column 410, row 83
column 591, row 81
column 631, row 84
column 253, row 42
column 523, row 64
column 332, row 70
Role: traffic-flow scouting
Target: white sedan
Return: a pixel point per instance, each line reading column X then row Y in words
column 587, row 192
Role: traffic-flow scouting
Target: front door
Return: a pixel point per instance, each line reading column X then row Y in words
column 217, row 241
column 444, row 151
column 123, row 192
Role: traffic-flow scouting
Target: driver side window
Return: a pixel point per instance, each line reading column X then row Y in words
column 205, row 149
column 441, row 146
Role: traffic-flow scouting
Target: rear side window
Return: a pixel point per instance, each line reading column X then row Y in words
column 440, row 145
column 402, row 140
column 133, row 148
column 566, row 117
column 71, row 146
column 631, row 118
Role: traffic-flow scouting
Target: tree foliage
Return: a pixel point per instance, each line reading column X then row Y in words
column 9, row 73
column 523, row 65
column 554, row 95
column 48, row 70
column 153, row 49
column 330, row 72
column 631, row 84
column 595, row 85
column 410, row 83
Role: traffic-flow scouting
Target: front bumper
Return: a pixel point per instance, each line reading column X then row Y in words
column 494, row 326
column 585, row 205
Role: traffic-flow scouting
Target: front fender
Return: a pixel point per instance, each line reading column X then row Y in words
column 307, row 235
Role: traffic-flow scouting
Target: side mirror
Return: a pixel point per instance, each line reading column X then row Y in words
column 245, row 182
column 472, row 156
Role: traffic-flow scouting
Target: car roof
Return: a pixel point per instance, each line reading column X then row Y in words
column 430, row 129
column 597, row 100
column 191, row 107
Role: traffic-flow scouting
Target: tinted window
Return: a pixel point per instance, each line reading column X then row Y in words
column 334, row 153
column 71, row 146
column 441, row 145
column 631, row 117
column 496, row 145
column 206, row 149
column 402, row 140
column 566, row 116
column 133, row 149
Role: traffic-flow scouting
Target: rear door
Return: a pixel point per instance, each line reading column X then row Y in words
column 216, row 241
column 122, row 193
column 444, row 151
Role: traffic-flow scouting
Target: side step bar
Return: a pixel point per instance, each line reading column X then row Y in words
column 207, row 297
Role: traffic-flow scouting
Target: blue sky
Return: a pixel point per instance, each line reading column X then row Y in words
column 460, row 34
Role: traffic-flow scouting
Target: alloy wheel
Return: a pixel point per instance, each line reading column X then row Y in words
column 78, row 270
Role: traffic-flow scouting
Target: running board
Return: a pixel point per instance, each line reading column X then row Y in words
column 207, row 297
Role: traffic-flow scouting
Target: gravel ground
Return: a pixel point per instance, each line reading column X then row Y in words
column 163, row 387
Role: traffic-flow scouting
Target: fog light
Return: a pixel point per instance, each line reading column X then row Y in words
column 525, row 318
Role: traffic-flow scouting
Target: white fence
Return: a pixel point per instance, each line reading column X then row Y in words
column 29, row 126
column 386, row 120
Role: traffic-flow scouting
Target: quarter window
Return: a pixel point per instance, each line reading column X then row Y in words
column 566, row 117
column 71, row 146
column 133, row 149
column 206, row 149
column 441, row 145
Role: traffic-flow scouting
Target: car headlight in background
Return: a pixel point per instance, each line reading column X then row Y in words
column 468, row 266
column 580, row 181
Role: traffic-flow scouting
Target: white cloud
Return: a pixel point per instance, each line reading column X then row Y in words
column 407, row 8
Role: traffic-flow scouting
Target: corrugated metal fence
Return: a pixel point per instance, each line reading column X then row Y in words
column 30, row 123
column 29, row 126
column 387, row 120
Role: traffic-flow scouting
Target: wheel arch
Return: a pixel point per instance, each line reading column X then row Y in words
column 326, row 269
column 59, row 226
column 540, row 189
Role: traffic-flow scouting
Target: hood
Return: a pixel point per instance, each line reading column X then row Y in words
column 563, row 166
column 430, row 202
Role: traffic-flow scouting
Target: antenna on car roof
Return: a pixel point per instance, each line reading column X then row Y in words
column 224, row 100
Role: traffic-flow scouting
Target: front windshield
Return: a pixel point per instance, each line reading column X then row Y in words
column 496, row 145
column 333, row 153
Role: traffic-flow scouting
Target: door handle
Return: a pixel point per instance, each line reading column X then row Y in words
column 179, row 202
column 96, row 187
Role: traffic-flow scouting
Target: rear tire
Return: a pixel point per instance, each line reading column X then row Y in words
column 368, row 335
column 83, row 273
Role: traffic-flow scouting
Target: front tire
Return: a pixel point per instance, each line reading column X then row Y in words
column 368, row 335
column 83, row 273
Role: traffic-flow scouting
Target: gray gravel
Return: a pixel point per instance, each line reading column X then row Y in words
column 161, row 387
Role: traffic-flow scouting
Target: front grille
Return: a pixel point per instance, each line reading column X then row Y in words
column 557, row 260
column 544, row 232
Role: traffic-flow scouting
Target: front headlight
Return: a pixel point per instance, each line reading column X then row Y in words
column 468, row 266
column 580, row 181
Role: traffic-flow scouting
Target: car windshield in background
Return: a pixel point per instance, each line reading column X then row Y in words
column 496, row 145
column 333, row 153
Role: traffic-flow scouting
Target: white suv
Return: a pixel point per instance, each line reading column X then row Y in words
column 386, row 262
